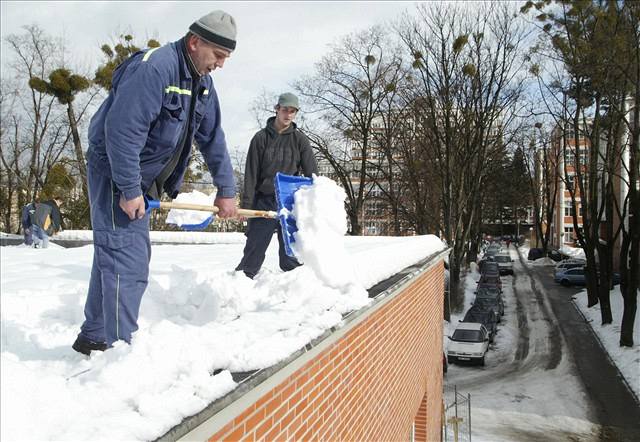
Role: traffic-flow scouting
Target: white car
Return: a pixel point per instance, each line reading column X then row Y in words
column 505, row 263
column 469, row 342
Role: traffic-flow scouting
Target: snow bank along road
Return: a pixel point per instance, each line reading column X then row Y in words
column 545, row 376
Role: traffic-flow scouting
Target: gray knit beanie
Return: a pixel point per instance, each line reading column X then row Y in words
column 216, row 27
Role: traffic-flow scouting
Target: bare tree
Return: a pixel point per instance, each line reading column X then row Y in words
column 596, row 45
column 35, row 133
column 543, row 165
column 346, row 94
column 35, row 54
column 629, row 67
column 468, row 89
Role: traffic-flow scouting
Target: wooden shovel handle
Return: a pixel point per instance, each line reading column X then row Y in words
column 241, row 212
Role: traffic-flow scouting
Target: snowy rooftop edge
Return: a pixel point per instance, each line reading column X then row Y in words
column 380, row 293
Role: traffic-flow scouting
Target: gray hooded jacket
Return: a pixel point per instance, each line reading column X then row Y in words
column 271, row 152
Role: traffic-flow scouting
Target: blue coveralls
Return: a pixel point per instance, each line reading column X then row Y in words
column 27, row 211
column 157, row 106
column 120, row 270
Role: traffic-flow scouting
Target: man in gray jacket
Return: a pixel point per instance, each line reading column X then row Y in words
column 279, row 147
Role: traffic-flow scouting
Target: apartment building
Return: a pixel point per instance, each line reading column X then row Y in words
column 568, row 200
column 570, row 152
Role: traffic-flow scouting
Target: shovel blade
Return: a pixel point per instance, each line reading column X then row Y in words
column 286, row 186
column 200, row 226
column 151, row 204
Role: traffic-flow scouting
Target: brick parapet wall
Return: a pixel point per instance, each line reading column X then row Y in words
column 377, row 378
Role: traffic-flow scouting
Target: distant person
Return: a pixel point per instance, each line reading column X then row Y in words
column 45, row 221
column 27, row 213
column 279, row 147
column 140, row 140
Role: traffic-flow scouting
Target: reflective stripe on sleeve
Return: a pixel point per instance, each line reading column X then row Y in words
column 177, row 90
column 148, row 54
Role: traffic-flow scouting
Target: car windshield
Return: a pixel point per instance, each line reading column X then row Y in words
column 467, row 336
column 487, row 300
column 477, row 316
column 490, row 278
column 488, row 285
column 503, row 258
column 487, row 292
column 484, row 302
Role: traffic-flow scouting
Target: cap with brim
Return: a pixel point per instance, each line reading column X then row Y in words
column 288, row 100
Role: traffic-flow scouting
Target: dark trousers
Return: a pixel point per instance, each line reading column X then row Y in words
column 121, row 255
column 259, row 234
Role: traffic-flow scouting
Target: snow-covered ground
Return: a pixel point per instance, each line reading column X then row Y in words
column 197, row 315
column 530, row 401
column 627, row 359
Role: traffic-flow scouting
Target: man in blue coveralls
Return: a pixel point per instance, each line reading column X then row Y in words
column 140, row 142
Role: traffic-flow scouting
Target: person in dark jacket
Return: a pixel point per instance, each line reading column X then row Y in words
column 45, row 221
column 27, row 212
column 140, row 140
column 279, row 147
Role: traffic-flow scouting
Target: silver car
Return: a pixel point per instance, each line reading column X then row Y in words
column 505, row 263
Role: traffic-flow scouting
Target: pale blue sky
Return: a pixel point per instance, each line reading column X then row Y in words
column 277, row 41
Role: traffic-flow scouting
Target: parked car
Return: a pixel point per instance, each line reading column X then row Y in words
column 534, row 254
column 555, row 255
column 505, row 263
column 490, row 271
column 488, row 285
column 493, row 249
column 493, row 303
column 569, row 277
column 486, row 317
column 491, row 279
column 577, row 276
column 469, row 342
column 488, row 291
column 570, row 264
column 487, row 262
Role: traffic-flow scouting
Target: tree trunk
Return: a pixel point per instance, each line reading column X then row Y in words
column 628, row 318
column 356, row 227
column 629, row 295
column 77, row 144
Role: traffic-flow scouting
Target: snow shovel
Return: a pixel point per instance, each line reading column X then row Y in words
column 286, row 186
column 155, row 204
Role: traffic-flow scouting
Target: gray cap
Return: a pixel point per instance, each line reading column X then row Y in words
column 218, row 28
column 288, row 100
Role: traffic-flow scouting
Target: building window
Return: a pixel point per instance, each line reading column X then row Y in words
column 568, row 209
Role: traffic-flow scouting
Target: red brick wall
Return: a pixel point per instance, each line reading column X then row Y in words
column 383, row 375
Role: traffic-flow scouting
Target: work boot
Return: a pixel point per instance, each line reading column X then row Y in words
column 85, row 346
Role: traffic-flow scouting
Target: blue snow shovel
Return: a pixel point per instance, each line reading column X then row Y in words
column 286, row 186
